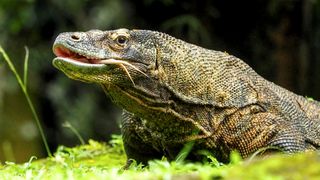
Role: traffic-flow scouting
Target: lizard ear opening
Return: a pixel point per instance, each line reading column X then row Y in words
column 157, row 55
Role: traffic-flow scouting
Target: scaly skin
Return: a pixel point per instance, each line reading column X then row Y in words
column 173, row 92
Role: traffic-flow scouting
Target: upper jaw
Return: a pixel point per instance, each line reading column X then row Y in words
column 81, row 49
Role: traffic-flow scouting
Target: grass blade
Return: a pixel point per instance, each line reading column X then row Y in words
column 68, row 125
column 24, row 90
column 25, row 67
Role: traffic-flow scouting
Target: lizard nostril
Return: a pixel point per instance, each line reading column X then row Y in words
column 75, row 37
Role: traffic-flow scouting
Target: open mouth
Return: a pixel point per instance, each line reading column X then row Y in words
column 68, row 55
column 63, row 52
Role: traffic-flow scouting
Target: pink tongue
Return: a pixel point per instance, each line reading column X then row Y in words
column 94, row 61
column 66, row 53
column 62, row 52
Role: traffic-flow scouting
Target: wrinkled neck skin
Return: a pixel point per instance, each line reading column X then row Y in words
column 164, row 113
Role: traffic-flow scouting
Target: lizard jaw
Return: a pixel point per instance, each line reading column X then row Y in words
column 77, row 66
column 65, row 53
column 68, row 60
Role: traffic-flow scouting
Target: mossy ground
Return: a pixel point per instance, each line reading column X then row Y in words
column 104, row 161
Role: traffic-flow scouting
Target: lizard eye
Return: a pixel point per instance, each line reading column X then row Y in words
column 121, row 40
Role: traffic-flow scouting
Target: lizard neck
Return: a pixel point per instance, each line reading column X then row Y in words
column 165, row 118
column 200, row 76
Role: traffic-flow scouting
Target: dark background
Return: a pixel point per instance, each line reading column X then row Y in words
column 280, row 39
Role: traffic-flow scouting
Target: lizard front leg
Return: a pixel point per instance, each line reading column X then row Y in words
column 135, row 147
column 252, row 128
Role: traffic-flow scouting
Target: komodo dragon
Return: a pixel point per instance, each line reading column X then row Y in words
column 173, row 92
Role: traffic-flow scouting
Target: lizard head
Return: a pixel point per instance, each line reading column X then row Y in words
column 123, row 61
column 106, row 57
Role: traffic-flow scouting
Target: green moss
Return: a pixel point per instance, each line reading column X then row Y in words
column 104, row 161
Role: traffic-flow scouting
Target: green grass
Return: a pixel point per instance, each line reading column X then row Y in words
column 104, row 161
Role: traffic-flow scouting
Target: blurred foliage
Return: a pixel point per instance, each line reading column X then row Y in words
column 279, row 39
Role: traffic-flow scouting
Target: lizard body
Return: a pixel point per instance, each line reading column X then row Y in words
column 173, row 92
